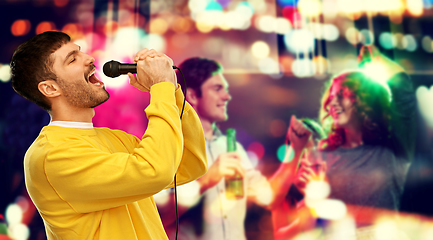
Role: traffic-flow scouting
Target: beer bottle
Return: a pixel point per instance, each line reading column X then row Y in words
column 234, row 185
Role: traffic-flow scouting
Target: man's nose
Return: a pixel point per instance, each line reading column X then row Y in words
column 227, row 96
column 89, row 59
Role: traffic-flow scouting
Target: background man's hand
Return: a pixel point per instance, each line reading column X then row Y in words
column 225, row 166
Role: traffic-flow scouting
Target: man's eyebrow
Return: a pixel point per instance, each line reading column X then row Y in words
column 74, row 52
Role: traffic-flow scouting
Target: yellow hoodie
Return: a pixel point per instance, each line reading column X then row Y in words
column 98, row 183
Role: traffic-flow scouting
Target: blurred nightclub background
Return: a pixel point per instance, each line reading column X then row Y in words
column 276, row 54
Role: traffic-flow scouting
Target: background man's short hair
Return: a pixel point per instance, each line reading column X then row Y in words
column 196, row 71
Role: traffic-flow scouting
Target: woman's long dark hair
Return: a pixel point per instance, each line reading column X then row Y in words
column 372, row 103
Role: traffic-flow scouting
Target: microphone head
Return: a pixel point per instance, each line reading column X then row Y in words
column 111, row 69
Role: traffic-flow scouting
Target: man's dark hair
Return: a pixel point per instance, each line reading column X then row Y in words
column 196, row 71
column 32, row 63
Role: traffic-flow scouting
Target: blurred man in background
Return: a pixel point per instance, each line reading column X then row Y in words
column 216, row 216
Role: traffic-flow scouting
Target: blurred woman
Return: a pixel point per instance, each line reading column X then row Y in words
column 371, row 128
column 289, row 216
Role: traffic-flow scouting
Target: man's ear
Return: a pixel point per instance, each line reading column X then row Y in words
column 49, row 88
column 191, row 97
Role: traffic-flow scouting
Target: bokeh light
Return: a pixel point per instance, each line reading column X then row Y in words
column 379, row 73
column 386, row 229
column 317, row 190
column 252, row 156
column 45, row 26
column 5, row 73
column 237, row 20
column 19, row 231
column 257, row 148
column 14, row 214
column 133, row 36
column 196, row 6
column 260, row 49
column 343, row 228
column 412, row 45
column 73, row 30
column 269, row 66
column 188, row 194
column 299, row 40
column 265, row 23
column 387, row 40
column 331, row 209
column 415, row 7
column 213, row 6
column 245, row 9
column 268, row 24
column 162, row 198
column 158, row 26
column 264, row 194
column 424, row 96
column 292, row 14
column 383, row 6
column 22, row 202
column 83, row 44
column 303, row 68
column 330, row 32
column 20, row 27
column 205, row 23
column 283, row 26
column 428, row 4
column 353, row 36
column 310, row 8
column 349, row 6
column 401, row 41
column 181, row 24
column 427, row 44
column 281, row 152
column 367, row 37
column 321, row 65
column 284, row 3
column 61, row 3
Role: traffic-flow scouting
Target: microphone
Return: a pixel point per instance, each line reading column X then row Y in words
column 114, row 69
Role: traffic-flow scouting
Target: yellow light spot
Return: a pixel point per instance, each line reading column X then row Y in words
column 204, row 27
column 415, row 7
column 310, row 8
column 158, row 26
column 73, row 30
column 181, row 25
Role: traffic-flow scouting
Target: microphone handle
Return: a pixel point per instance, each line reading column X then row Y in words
column 125, row 68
